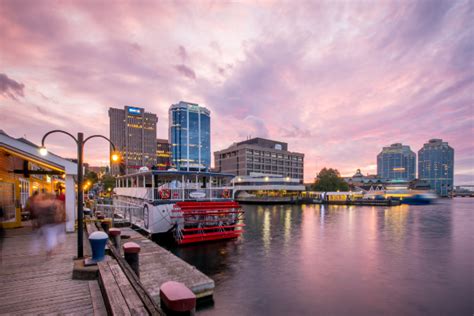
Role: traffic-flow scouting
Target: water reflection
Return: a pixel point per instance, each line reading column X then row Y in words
column 266, row 230
column 336, row 260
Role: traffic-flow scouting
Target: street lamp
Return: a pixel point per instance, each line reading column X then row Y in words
column 80, row 141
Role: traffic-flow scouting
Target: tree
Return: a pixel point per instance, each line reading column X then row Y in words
column 329, row 180
column 109, row 182
column 92, row 177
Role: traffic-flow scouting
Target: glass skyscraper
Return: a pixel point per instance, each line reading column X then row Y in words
column 396, row 162
column 436, row 165
column 190, row 136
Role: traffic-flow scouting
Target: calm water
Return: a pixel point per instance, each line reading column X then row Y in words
column 344, row 260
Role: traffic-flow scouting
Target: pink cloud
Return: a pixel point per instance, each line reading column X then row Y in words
column 337, row 81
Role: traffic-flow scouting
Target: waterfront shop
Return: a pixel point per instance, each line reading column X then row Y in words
column 267, row 188
column 23, row 171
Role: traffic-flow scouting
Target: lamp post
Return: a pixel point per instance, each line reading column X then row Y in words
column 80, row 141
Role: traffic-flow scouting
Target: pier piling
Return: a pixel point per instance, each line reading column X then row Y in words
column 131, row 252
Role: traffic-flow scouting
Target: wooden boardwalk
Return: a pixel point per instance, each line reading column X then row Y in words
column 32, row 283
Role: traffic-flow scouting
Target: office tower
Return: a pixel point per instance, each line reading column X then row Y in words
column 190, row 136
column 261, row 156
column 163, row 154
column 436, row 166
column 396, row 162
column 133, row 132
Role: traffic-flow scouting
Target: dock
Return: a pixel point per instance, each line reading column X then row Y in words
column 158, row 265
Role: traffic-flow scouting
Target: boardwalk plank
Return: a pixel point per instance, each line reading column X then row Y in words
column 133, row 301
column 97, row 300
column 115, row 301
column 33, row 284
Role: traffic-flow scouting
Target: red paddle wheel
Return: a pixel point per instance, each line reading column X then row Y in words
column 204, row 221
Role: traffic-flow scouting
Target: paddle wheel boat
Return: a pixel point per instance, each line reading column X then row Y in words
column 192, row 206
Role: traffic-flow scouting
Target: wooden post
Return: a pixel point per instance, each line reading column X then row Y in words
column 114, row 234
column 131, row 251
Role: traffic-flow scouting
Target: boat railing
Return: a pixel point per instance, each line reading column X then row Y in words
column 176, row 194
column 192, row 194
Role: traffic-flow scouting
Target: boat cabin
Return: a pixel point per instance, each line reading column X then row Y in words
column 165, row 186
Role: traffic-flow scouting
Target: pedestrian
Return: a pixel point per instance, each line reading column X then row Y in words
column 50, row 218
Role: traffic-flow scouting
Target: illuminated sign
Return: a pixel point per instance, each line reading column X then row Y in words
column 134, row 111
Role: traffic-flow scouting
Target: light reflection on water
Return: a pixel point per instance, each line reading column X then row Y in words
column 340, row 260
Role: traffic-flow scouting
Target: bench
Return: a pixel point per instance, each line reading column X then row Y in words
column 119, row 294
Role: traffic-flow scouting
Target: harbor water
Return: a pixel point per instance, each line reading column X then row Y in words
column 344, row 260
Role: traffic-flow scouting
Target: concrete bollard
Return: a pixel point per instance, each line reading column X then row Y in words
column 177, row 299
column 114, row 234
column 98, row 241
column 131, row 251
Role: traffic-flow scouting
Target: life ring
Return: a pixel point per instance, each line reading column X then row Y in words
column 226, row 194
column 165, row 194
column 146, row 216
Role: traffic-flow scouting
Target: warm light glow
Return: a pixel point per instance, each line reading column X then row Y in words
column 115, row 157
column 109, row 189
column 43, row 151
column 266, row 178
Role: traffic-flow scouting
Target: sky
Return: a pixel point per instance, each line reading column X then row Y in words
column 336, row 80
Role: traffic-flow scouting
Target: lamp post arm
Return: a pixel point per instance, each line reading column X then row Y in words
column 56, row 131
column 100, row 136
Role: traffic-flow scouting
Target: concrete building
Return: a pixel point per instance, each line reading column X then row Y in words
column 133, row 132
column 190, row 136
column 163, row 154
column 436, row 166
column 260, row 155
column 396, row 162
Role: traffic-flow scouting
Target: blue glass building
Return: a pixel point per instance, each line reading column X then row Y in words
column 396, row 162
column 436, row 166
column 190, row 136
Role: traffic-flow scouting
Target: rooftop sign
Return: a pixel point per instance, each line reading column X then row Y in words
column 134, row 111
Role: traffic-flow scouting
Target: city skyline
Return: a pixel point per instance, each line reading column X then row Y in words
column 338, row 82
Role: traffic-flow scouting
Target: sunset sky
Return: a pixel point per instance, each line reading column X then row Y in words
column 336, row 80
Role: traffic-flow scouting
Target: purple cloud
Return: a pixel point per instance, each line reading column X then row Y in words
column 185, row 71
column 337, row 81
column 10, row 88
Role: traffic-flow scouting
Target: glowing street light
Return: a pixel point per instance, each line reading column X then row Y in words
column 43, row 151
column 80, row 141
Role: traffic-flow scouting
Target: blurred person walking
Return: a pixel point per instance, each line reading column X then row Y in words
column 50, row 216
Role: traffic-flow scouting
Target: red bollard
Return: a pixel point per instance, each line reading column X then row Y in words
column 131, row 251
column 177, row 299
column 114, row 234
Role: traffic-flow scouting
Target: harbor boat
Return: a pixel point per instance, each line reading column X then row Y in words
column 191, row 206
column 419, row 199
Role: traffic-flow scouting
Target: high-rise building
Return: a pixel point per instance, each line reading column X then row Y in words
column 190, row 136
column 436, row 166
column 260, row 155
column 133, row 132
column 163, row 154
column 396, row 162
